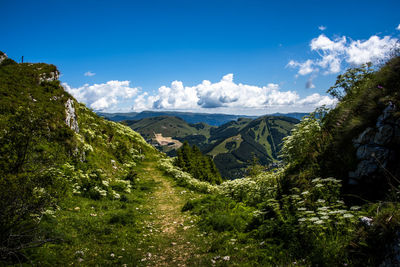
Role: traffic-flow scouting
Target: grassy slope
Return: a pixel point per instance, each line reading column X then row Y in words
column 143, row 225
column 85, row 227
column 226, row 146
column 261, row 137
column 147, row 229
column 168, row 126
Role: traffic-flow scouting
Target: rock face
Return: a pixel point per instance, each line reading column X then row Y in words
column 49, row 76
column 392, row 257
column 376, row 147
column 70, row 118
column 3, row 56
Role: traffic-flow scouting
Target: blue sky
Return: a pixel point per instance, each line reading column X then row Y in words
column 256, row 56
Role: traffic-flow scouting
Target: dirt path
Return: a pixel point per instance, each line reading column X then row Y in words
column 172, row 238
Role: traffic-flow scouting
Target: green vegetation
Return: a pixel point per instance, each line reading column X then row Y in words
column 48, row 169
column 213, row 119
column 174, row 127
column 191, row 160
column 231, row 145
column 76, row 189
column 302, row 218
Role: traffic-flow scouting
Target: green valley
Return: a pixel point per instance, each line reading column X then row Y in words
column 231, row 145
column 77, row 189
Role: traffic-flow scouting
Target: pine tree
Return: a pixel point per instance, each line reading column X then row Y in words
column 201, row 167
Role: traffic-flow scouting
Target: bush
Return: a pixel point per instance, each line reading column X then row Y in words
column 220, row 213
column 31, row 180
column 185, row 179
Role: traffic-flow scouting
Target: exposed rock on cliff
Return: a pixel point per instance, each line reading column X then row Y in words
column 377, row 146
column 392, row 257
column 70, row 118
column 3, row 56
column 49, row 76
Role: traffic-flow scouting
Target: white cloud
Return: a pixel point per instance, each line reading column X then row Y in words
column 332, row 54
column 105, row 96
column 325, row 44
column 224, row 96
column 322, row 28
column 89, row 73
column 304, row 68
column 371, row 50
column 317, row 100
column 228, row 97
column 398, row 28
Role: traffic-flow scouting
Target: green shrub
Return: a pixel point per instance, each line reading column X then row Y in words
column 220, row 213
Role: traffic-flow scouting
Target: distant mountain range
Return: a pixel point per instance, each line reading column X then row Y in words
column 232, row 145
column 189, row 117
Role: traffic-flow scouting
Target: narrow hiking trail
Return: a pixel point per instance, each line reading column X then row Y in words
column 170, row 237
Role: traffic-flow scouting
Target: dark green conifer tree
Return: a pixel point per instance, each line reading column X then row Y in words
column 191, row 160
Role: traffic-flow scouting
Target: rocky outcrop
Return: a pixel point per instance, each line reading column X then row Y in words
column 3, row 56
column 392, row 257
column 376, row 146
column 49, row 76
column 70, row 118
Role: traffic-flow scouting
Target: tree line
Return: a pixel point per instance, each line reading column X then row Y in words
column 191, row 160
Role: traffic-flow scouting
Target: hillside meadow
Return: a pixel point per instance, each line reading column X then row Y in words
column 77, row 189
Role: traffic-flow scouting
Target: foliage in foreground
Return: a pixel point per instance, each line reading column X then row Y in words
column 44, row 162
column 62, row 187
column 298, row 213
column 185, row 179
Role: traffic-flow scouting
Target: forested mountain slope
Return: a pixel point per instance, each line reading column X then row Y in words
column 174, row 127
column 189, row 117
column 231, row 145
column 236, row 143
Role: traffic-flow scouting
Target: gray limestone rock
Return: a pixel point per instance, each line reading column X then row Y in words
column 3, row 56
column 374, row 145
column 392, row 257
column 49, row 77
column 365, row 168
column 366, row 137
column 384, row 135
column 70, row 118
column 387, row 112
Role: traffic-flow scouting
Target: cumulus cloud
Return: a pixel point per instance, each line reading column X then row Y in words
column 322, row 28
column 371, row 50
column 333, row 53
column 316, row 100
column 104, row 96
column 228, row 96
column 89, row 73
column 398, row 28
column 224, row 96
column 325, row 44
column 304, row 68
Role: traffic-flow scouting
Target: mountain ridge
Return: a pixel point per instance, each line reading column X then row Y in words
column 235, row 142
column 213, row 119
